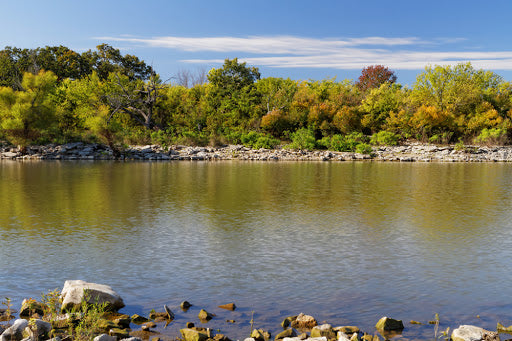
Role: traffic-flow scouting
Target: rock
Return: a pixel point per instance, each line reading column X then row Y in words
column 304, row 321
column 132, row 339
column 105, row 337
column 170, row 314
column 502, row 329
column 119, row 333
column 349, row 330
column 14, row 332
column 290, row 332
column 147, row 326
column 343, row 337
column 137, row 319
column 228, row 306
column 354, row 337
column 190, row 334
column 386, row 323
column 221, row 337
column 473, row 333
column 185, row 305
column 288, row 321
column 29, row 307
column 38, row 329
column 204, row 315
column 123, row 321
column 158, row 316
column 324, row 330
column 190, row 325
column 260, row 335
column 74, row 291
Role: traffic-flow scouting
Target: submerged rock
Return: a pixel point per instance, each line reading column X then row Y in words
column 386, row 323
column 228, row 306
column 74, row 291
column 204, row 315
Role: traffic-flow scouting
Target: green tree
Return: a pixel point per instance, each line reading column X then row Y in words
column 28, row 114
column 232, row 98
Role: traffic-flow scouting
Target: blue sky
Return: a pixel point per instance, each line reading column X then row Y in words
column 297, row 39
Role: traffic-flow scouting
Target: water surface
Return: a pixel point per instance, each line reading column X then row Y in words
column 345, row 242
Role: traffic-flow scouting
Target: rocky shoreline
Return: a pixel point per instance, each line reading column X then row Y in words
column 412, row 152
column 89, row 311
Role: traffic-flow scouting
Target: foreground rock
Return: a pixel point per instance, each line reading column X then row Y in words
column 76, row 291
column 473, row 333
column 15, row 332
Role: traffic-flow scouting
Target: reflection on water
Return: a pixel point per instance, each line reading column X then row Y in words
column 345, row 242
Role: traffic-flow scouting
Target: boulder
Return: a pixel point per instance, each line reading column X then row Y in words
column 38, row 330
column 342, row 336
column 190, row 334
column 288, row 321
column 14, row 332
column 133, row 338
column 324, row 330
column 304, row 321
column 30, row 307
column 75, row 291
column 386, row 323
column 290, row 332
column 473, row 333
column 260, row 335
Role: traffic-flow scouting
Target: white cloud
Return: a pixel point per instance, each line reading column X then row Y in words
column 352, row 53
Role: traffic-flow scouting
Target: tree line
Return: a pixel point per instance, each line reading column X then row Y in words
column 56, row 95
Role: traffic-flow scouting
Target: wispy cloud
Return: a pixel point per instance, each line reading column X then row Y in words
column 351, row 53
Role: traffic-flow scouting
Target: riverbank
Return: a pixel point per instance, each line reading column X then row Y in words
column 412, row 152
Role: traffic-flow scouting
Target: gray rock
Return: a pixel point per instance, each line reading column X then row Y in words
column 73, row 293
column 14, row 332
column 38, row 329
column 105, row 337
column 473, row 333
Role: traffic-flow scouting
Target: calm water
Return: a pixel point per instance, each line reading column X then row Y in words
column 345, row 242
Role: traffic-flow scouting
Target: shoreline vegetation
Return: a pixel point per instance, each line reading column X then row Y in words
column 89, row 311
column 54, row 95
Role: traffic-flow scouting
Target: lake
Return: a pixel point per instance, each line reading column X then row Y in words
column 346, row 242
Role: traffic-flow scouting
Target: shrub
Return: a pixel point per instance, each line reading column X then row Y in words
column 386, row 138
column 346, row 143
column 256, row 140
column 363, row 148
column 303, row 139
column 494, row 136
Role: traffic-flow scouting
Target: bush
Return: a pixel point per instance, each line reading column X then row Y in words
column 385, row 138
column 363, row 148
column 303, row 139
column 347, row 143
column 256, row 140
column 494, row 136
